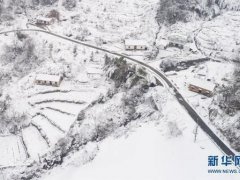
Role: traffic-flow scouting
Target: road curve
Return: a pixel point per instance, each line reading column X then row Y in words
column 225, row 149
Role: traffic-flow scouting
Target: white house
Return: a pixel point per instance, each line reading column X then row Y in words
column 202, row 87
column 44, row 21
column 135, row 45
column 50, row 80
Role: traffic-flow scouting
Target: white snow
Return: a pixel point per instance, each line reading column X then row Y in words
column 92, row 70
column 64, row 121
column 178, row 38
column 71, row 108
column 73, row 96
column 163, row 43
column 36, row 145
column 219, row 38
column 148, row 150
column 202, row 84
column 12, row 151
column 44, row 19
column 52, row 133
column 145, row 154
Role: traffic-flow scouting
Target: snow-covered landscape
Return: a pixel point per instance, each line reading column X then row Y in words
column 121, row 89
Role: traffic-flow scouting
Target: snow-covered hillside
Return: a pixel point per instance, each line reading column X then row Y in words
column 229, row 4
column 150, row 148
column 36, row 117
column 219, row 38
column 110, row 119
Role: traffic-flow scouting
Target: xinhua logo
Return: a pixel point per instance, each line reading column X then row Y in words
column 224, row 160
column 222, row 164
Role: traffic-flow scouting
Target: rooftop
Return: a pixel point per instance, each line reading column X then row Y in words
column 47, row 77
column 44, row 19
column 135, row 42
column 203, row 84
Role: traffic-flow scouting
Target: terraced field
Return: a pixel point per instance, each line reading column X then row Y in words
column 55, row 112
column 219, row 39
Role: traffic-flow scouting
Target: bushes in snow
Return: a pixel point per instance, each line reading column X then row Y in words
column 5, row 77
column 233, row 135
column 54, row 14
column 227, row 117
column 142, row 72
column 69, row 4
column 118, row 70
column 11, row 121
column 122, row 73
column 229, row 4
column 117, row 108
column 168, row 65
column 21, row 55
column 47, row 2
column 173, row 129
column 132, row 81
column 229, row 99
column 172, row 11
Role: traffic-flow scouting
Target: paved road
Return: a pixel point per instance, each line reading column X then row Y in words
column 225, row 149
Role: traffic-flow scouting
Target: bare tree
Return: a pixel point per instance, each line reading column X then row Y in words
column 195, row 133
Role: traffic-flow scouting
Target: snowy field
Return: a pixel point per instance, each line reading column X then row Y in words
column 69, row 108
column 219, row 38
column 35, row 143
column 51, row 110
column 12, row 151
column 148, row 151
column 111, row 22
column 52, row 134
column 74, row 97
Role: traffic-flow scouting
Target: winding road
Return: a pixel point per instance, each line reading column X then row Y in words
column 161, row 76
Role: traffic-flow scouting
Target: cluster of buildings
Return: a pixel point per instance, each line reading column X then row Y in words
column 205, row 88
column 173, row 40
column 55, row 80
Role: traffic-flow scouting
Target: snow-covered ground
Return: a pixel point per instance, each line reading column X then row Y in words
column 51, row 110
column 91, row 21
column 149, row 150
column 215, row 73
column 12, row 151
column 35, row 143
column 219, row 38
column 212, row 73
column 52, row 133
column 162, row 148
